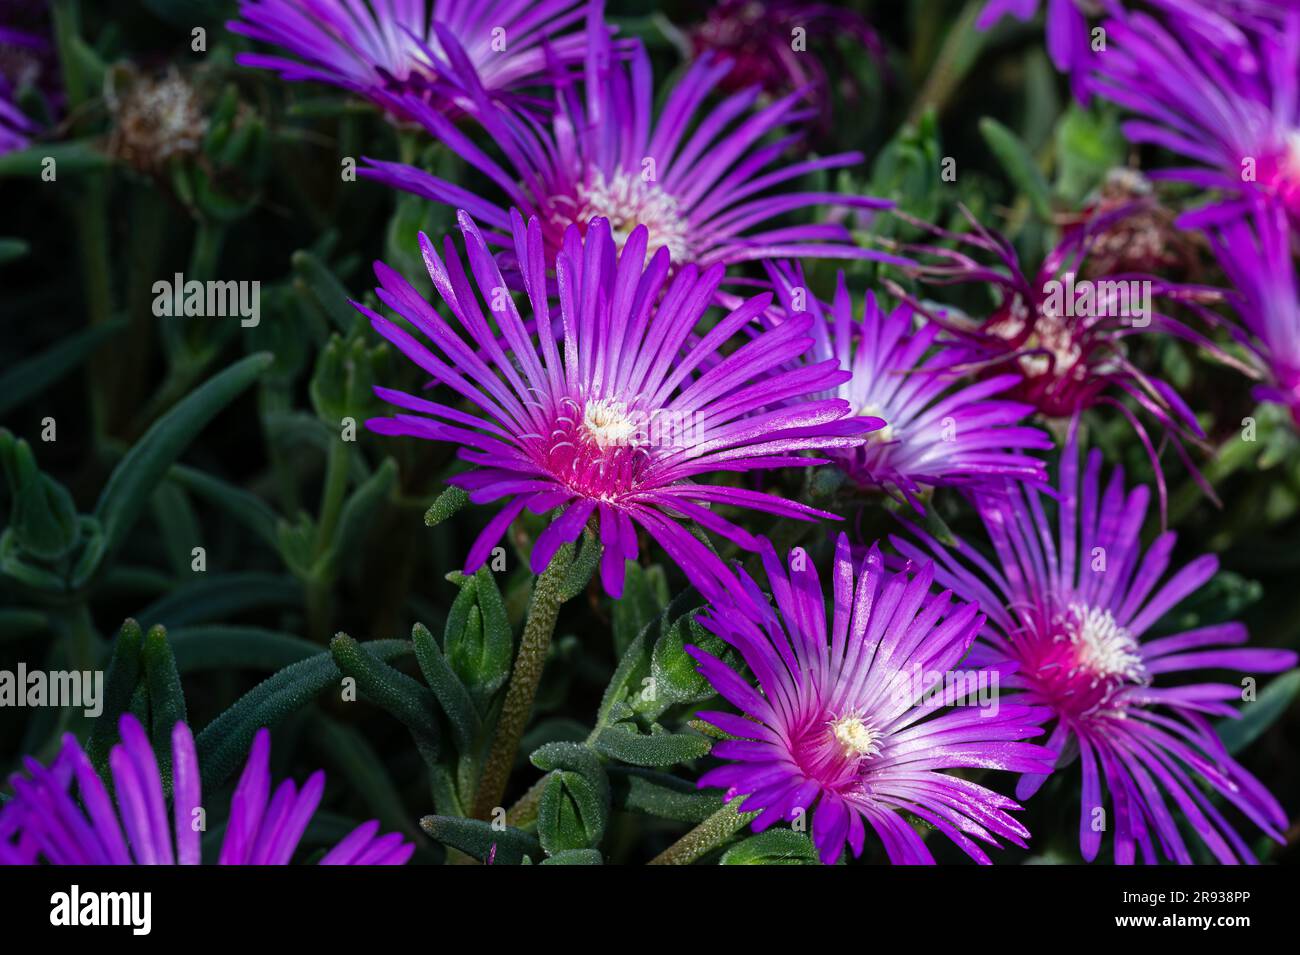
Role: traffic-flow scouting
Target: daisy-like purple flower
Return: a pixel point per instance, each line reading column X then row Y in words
column 1234, row 112
column 1066, row 618
column 264, row 827
column 1076, row 45
column 853, row 724
column 1065, row 330
column 622, row 420
column 700, row 181
column 938, row 430
column 1256, row 254
column 373, row 47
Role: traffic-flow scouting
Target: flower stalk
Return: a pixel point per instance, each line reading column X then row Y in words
column 707, row 836
column 543, row 611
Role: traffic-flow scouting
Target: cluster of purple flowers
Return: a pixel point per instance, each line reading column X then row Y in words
column 599, row 375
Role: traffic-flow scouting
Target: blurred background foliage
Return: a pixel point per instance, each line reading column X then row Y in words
column 130, row 440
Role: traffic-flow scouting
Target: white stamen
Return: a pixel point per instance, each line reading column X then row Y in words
column 628, row 201
column 1105, row 648
column 855, row 736
column 607, row 422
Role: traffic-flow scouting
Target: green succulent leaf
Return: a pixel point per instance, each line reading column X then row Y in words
column 658, row 794
column 124, row 671
column 1256, row 717
column 575, row 857
column 572, row 813
column 774, row 847
column 128, row 488
column 403, row 697
column 32, row 376
column 481, row 840
column 447, row 687
column 625, row 743
column 224, row 742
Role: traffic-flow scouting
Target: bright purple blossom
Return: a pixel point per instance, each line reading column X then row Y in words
column 622, row 422
column 855, row 723
column 1066, row 620
column 373, row 47
column 1256, row 254
column 1077, row 46
column 264, row 827
column 939, row 430
column 1233, row 112
column 701, row 182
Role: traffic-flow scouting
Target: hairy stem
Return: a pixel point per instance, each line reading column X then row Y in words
column 707, row 836
column 548, row 595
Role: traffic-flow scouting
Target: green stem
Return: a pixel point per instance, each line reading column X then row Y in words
column 707, row 836
column 337, row 465
column 320, row 587
column 960, row 48
column 66, row 15
column 209, row 237
column 543, row 611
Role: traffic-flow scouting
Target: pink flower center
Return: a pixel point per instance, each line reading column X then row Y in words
column 1281, row 173
column 627, row 200
column 832, row 749
column 599, row 448
column 1086, row 657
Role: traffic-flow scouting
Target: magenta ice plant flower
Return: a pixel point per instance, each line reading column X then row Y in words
column 375, row 47
column 609, row 405
column 853, row 722
column 940, row 430
column 706, row 183
column 1071, row 613
column 1232, row 113
column 63, row 814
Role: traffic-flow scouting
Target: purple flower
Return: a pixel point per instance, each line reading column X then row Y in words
column 1066, row 622
column 372, row 47
column 854, row 724
column 768, row 44
column 1256, row 255
column 1076, row 47
column 264, row 827
column 938, row 430
column 1065, row 331
column 1233, row 110
column 621, row 423
column 700, row 181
